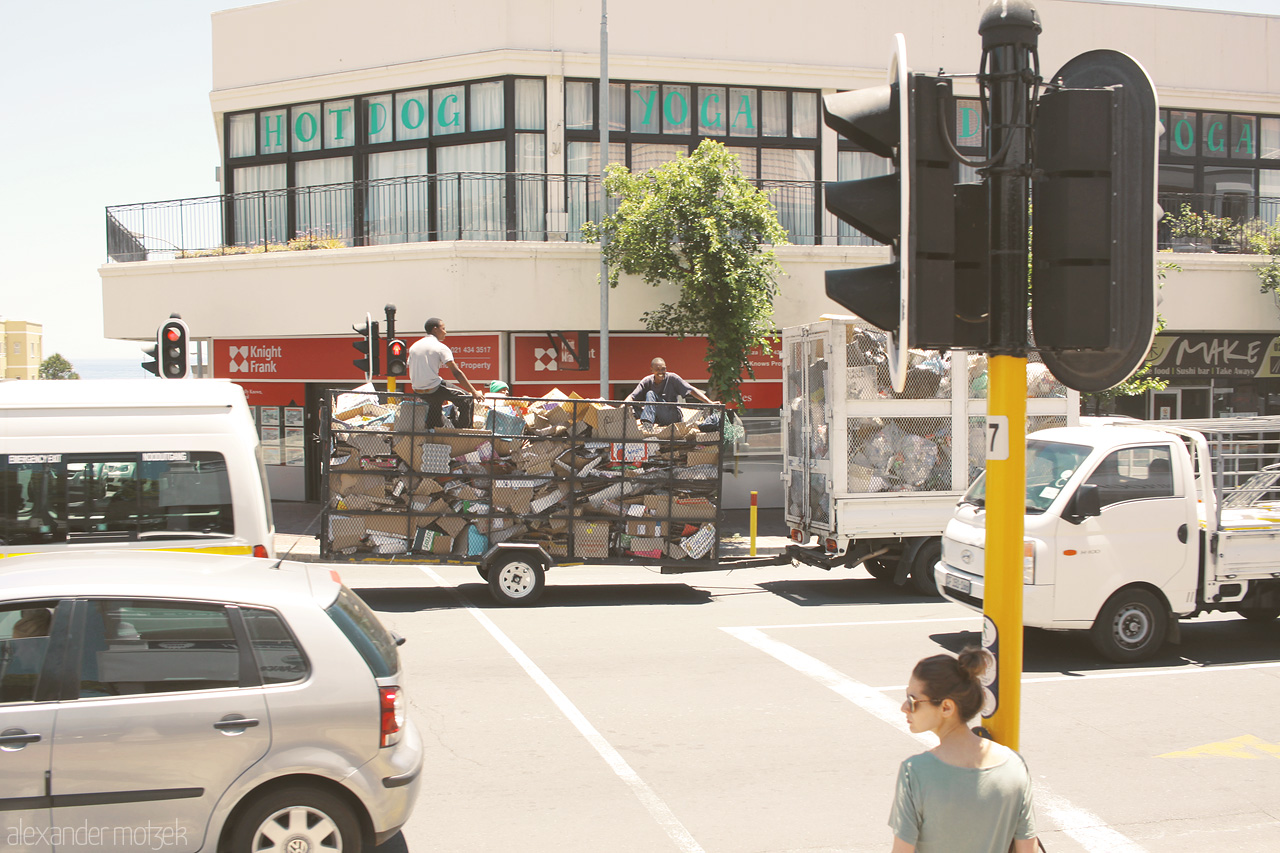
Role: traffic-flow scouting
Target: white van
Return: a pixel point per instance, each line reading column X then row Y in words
column 126, row 464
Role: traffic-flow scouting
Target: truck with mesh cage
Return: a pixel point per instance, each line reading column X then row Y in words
column 875, row 475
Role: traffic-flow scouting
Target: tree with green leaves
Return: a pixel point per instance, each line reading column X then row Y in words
column 57, row 367
column 699, row 224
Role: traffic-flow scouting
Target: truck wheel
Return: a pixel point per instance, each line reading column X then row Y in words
column 922, row 563
column 879, row 570
column 1131, row 626
column 1260, row 615
column 516, row 579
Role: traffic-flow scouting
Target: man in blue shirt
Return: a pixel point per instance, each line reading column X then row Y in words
column 662, row 387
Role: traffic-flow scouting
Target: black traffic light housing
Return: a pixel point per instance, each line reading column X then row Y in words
column 172, row 347
column 1093, row 282
column 397, row 353
column 152, row 352
column 367, row 346
column 917, row 211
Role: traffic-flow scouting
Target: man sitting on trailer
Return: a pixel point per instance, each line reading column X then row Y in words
column 663, row 387
column 426, row 357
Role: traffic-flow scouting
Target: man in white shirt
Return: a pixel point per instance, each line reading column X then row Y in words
column 426, row 357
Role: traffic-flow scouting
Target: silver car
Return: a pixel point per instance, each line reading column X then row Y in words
column 156, row 700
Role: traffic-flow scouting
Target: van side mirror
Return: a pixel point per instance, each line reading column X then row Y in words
column 1085, row 504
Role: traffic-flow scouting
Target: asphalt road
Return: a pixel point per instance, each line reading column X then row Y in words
column 756, row 712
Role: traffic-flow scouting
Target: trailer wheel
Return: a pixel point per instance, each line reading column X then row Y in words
column 483, row 570
column 516, row 579
column 879, row 569
column 1131, row 626
column 925, row 558
column 1260, row 615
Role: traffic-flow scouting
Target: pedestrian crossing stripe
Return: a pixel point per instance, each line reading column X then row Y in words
column 1245, row 746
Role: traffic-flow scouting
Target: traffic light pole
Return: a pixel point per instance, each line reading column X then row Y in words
column 1010, row 31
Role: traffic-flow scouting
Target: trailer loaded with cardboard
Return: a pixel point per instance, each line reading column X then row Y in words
column 538, row 482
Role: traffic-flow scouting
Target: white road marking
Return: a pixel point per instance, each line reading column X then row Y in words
column 654, row 804
column 975, row 619
column 1077, row 823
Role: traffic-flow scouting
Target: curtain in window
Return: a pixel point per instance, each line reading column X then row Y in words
column 531, row 186
column 241, row 142
column 748, row 160
column 579, row 106
column 773, row 113
column 324, row 199
column 648, row 156
column 788, row 174
column 398, row 198
column 471, row 197
column 486, row 106
column 804, row 115
column 259, row 205
column 853, row 166
column 582, row 184
column 531, row 105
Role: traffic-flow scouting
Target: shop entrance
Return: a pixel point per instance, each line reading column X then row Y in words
column 1180, row 402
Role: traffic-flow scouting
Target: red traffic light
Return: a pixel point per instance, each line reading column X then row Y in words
column 397, row 348
column 173, row 333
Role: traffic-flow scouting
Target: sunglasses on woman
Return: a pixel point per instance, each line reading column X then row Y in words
column 912, row 702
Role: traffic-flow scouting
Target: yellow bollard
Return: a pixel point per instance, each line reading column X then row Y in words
column 391, row 384
column 753, row 524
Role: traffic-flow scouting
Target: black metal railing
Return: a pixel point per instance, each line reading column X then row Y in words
column 455, row 206
column 1222, row 222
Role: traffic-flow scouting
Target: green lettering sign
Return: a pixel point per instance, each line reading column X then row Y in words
column 377, row 118
column 968, row 123
column 1184, row 135
column 412, row 119
column 707, row 121
column 305, row 127
column 272, row 129
column 669, row 110
column 1245, row 142
column 648, row 105
column 744, row 108
column 455, row 117
column 1211, row 137
column 337, row 131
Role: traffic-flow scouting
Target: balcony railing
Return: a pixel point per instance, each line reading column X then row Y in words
column 478, row 206
column 458, row 206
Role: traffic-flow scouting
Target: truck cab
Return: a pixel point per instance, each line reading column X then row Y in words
column 1119, row 521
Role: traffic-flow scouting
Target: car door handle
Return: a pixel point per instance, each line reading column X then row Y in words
column 234, row 721
column 18, row 738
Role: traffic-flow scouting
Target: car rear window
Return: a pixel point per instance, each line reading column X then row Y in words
column 361, row 626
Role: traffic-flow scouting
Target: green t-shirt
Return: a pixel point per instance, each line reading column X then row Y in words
column 939, row 807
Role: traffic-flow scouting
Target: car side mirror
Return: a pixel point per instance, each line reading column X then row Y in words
column 1085, row 504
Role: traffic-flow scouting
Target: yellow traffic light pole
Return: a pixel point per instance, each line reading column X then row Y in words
column 1006, row 505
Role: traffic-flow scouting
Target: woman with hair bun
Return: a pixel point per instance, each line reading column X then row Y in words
column 968, row 794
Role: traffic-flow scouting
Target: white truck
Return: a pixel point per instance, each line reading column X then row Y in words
column 875, row 475
column 1133, row 526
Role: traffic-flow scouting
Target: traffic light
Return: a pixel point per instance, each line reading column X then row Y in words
column 914, row 210
column 152, row 352
column 367, row 346
column 172, row 344
column 1093, row 281
column 397, row 358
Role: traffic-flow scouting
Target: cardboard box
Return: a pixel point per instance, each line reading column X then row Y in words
column 460, row 441
column 345, row 532
column 427, row 486
column 590, row 539
column 369, row 443
column 442, row 544
column 651, row 528
column 703, row 456
column 616, row 423
column 514, row 495
column 699, row 544
column 412, row 416
column 397, row 525
column 651, row 548
column 374, row 485
column 548, row 497
column 632, row 451
column 452, row 524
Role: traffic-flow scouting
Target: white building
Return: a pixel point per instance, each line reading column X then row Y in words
column 450, row 150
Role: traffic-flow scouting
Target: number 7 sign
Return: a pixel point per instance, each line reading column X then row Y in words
column 998, row 437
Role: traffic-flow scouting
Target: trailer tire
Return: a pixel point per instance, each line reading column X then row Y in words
column 1260, row 615
column 516, row 579
column 1131, row 626
column 483, row 570
column 923, row 560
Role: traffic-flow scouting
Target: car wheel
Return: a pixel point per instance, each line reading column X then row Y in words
column 516, row 579
column 293, row 819
column 880, row 570
column 1131, row 626
column 926, row 557
column 1260, row 615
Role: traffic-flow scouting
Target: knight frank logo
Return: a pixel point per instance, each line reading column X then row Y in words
column 545, row 358
column 255, row 359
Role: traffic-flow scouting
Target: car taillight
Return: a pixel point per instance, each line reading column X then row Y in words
column 260, row 551
column 797, row 535
column 391, row 702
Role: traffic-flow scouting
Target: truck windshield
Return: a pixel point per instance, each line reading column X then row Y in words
column 1050, row 465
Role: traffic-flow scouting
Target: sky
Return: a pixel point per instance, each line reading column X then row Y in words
column 107, row 102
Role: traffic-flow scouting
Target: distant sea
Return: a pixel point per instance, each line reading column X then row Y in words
column 111, row 368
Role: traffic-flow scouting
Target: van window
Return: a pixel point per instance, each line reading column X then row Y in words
column 1134, row 473
column 60, row 497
